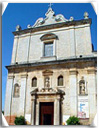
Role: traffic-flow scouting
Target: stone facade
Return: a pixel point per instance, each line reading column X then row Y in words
column 73, row 59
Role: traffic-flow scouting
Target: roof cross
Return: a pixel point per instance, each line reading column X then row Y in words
column 50, row 5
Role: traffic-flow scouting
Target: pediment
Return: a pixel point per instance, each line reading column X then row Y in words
column 48, row 36
column 50, row 18
column 47, row 72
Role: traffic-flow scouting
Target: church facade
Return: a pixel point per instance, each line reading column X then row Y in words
column 53, row 70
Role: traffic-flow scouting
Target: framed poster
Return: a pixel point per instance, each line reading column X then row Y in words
column 83, row 108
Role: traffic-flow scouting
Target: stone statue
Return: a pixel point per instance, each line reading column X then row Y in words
column 47, row 82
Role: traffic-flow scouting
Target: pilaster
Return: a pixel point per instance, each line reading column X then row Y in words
column 33, row 111
column 23, row 93
column 57, row 111
column 73, row 92
column 8, row 97
column 37, row 113
column 72, row 42
column 92, row 92
column 15, row 47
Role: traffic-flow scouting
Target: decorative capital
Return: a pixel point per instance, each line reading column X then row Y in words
column 10, row 76
column 91, row 71
column 24, row 75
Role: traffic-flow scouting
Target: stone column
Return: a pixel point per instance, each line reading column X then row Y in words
column 92, row 93
column 23, row 94
column 37, row 113
column 57, row 111
column 33, row 111
column 73, row 92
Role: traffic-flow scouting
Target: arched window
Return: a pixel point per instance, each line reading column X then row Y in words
column 16, row 90
column 82, row 87
column 34, row 82
column 60, row 81
column 48, row 40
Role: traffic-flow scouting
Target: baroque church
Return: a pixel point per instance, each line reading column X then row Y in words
column 52, row 74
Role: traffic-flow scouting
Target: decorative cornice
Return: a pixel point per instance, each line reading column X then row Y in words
column 53, row 26
column 73, row 60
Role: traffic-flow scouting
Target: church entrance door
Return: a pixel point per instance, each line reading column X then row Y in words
column 46, row 113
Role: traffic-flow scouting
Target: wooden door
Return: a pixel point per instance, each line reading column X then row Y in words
column 46, row 113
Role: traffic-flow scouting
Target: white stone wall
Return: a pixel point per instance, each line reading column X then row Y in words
column 83, row 40
column 92, row 92
column 22, row 105
column 22, row 49
column 72, row 41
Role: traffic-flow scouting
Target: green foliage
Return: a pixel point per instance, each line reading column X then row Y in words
column 73, row 121
column 3, row 112
column 20, row 120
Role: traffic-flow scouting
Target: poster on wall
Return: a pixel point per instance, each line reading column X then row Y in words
column 83, row 111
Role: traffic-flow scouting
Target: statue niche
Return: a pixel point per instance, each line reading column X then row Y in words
column 82, row 86
column 47, row 82
column 47, row 74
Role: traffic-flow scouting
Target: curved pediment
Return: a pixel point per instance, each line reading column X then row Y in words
column 48, row 36
column 50, row 18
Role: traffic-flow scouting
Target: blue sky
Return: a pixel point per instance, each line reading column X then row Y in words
column 24, row 14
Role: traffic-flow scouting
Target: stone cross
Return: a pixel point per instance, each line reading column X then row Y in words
column 50, row 5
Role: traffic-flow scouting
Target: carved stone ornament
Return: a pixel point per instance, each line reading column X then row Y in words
column 51, row 18
column 47, row 73
column 29, row 26
column 86, row 15
column 18, row 28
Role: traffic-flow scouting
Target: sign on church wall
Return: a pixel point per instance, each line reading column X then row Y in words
column 83, row 107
